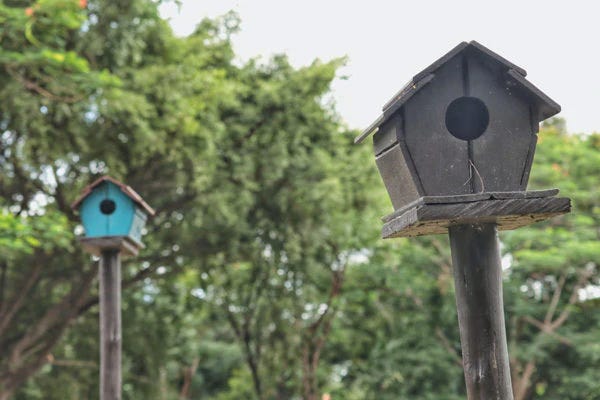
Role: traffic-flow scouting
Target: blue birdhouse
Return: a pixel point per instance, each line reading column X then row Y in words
column 111, row 209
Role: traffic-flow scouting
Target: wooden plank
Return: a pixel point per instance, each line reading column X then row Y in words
column 469, row 198
column 459, row 198
column 497, row 57
column 387, row 135
column 410, row 92
column 512, row 213
column 397, row 177
column 439, row 62
column 402, row 210
column 399, row 94
column 95, row 245
column 531, row 194
column 410, row 163
column 371, row 128
column 441, row 159
column 500, row 154
column 545, row 104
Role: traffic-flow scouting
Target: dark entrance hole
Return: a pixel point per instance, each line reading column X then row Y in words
column 467, row 118
column 107, row 206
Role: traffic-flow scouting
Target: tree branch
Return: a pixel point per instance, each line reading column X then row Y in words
column 188, row 376
column 57, row 317
column 583, row 279
column 522, row 386
column 61, row 202
column 30, row 85
column 547, row 328
column 10, row 308
column 71, row 363
column 555, row 299
column 3, row 269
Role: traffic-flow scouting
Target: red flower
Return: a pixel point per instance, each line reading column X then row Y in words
column 29, row 11
column 83, row 3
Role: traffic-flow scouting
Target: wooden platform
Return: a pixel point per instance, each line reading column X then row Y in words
column 509, row 210
column 126, row 245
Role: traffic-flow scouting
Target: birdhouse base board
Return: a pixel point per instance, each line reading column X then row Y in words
column 126, row 245
column 509, row 210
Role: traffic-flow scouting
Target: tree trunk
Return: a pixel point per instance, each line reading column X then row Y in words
column 188, row 376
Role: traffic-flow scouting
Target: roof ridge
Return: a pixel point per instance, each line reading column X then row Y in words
column 419, row 80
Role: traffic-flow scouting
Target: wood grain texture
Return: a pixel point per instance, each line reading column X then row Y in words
column 509, row 213
column 110, row 325
column 468, row 198
column 440, row 159
column 397, row 177
column 500, row 154
column 387, row 135
column 477, row 272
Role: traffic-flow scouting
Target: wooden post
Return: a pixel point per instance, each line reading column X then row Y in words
column 478, row 281
column 110, row 324
column 113, row 216
column 426, row 160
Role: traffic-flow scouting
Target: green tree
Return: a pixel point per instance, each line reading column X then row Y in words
column 250, row 170
column 88, row 91
column 264, row 276
column 552, row 311
column 290, row 216
column 33, row 51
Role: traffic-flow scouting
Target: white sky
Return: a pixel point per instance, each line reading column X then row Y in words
column 387, row 42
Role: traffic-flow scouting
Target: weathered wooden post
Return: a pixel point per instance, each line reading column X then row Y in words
column 454, row 148
column 113, row 216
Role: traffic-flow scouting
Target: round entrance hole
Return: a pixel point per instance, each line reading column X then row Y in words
column 467, row 118
column 107, row 206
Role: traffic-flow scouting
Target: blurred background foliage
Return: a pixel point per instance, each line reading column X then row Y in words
column 264, row 276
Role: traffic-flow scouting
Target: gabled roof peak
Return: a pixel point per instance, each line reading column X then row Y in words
column 468, row 46
column 515, row 73
column 129, row 192
column 461, row 47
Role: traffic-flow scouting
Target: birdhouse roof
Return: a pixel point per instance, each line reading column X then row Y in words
column 132, row 194
column 515, row 74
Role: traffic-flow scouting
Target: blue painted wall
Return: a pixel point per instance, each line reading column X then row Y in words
column 118, row 223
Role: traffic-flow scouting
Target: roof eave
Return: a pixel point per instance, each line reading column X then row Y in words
column 398, row 101
column 547, row 107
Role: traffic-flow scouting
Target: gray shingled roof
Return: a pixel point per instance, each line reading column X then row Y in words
column 546, row 105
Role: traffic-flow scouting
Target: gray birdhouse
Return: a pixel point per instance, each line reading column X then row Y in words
column 465, row 128
column 112, row 213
